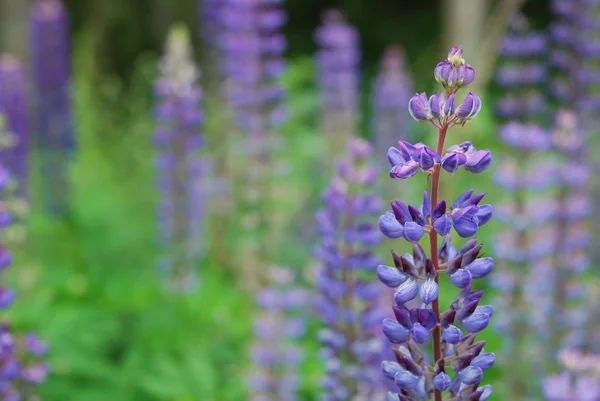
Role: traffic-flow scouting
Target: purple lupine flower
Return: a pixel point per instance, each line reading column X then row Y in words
column 275, row 352
column 526, row 210
column 53, row 115
column 179, row 138
column 14, row 150
column 349, row 304
column 391, row 91
column 338, row 59
column 415, row 277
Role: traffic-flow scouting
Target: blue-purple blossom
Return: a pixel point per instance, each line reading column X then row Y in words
column 275, row 353
column 181, row 169
column 15, row 125
column 418, row 373
column 53, row 123
column 348, row 303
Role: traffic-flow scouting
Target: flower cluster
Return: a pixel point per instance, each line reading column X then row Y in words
column 407, row 160
column 275, row 353
column 391, row 91
column 348, row 301
column 14, row 149
column 53, row 120
column 338, row 59
column 452, row 332
column 180, row 168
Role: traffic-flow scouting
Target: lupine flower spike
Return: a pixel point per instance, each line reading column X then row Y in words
column 53, row 119
column 180, row 168
column 21, row 358
column 574, row 59
column 14, row 145
column 275, row 353
column 456, row 365
column 338, row 62
column 252, row 61
column 348, row 302
column 522, row 249
column 391, row 91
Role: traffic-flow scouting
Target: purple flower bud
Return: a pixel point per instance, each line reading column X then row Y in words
column 442, row 71
column 461, row 278
column 466, row 75
column 426, row 157
column 484, row 214
column 406, row 380
column 469, row 108
column 479, row 161
column 390, row 226
column 395, row 157
column 419, row 333
column 403, row 171
column 392, row 397
column 451, row 162
column 464, row 224
column 428, row 291
column 486, row 392
column 442, row 381
column 470, row 375
column 462, row 198
column 484, row 360
column 426, row 204
column 390, row 369
column 481, row 267
column 413, row 232
column 452, row 334
column 434, row 106
column 455, row 55
column 476, row 322
column 424, row 316
column 395, row 332
column 407, row 291
column 450, row 105
column 418, row 107
column 390, row 276
column 443, row 225
column 402, row 316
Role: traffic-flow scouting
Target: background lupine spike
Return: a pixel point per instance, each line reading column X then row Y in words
column 14, row 110
column 181, row 170
column 53, row 124
column 574, row 83
column 524, row 301
column 392, row 89
column 338, row 60
column 252, row 59
column 275, row 353
column 422, row 323
column 21, row 357
column 348, row 303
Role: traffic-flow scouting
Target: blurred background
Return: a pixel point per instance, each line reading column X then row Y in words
column 161, row 180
